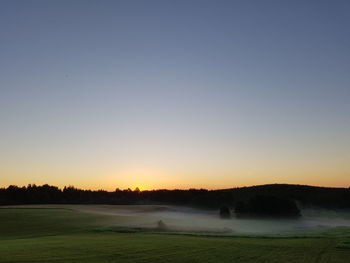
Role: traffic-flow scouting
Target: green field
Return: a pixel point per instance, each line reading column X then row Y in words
column 63, row 235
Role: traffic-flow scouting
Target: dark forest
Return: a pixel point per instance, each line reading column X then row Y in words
column 304, row 196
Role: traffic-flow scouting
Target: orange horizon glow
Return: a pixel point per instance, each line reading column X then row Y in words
column 149, row 187
column 169, row 95
column 151, row 178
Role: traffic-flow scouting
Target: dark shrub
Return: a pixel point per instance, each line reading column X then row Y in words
column 161, row 225
column 225, row 212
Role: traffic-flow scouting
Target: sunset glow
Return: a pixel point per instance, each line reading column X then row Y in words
column 184, row 95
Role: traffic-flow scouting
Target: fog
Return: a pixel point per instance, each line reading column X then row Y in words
column 184, row 219
column 194, row 220
column 210, row 221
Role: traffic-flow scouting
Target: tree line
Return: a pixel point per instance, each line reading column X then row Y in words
column 243, row 197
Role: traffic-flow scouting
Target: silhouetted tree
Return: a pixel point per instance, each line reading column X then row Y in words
column 268, row 205
column 161, row 225
column 245, row 200
column 225, row 212
column 241, row 208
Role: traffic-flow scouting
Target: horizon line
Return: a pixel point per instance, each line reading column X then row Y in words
column 169, row 189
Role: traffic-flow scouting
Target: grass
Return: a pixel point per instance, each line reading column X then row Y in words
column 60, row 235
column 34, row 222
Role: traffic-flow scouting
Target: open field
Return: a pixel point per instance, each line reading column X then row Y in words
column 73, row 234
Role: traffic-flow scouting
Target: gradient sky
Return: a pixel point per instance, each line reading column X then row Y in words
column 174, row 94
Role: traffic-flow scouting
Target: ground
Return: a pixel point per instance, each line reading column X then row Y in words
column 66, row 235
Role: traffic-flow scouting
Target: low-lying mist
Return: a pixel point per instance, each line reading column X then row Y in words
column 185, row 219
column 175, row 218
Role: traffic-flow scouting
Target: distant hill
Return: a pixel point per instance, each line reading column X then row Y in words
column 303, row 195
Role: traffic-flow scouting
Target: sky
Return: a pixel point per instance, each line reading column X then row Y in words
column 174, row 94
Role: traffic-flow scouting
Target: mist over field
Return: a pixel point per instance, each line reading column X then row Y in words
column 185, row 219
column 188, row 219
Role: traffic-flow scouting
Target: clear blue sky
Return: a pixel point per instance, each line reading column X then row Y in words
column 174, row 94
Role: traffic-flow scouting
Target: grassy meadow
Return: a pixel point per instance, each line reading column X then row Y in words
column 67, row 235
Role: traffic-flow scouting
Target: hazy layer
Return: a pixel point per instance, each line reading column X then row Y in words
column 189, row 219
